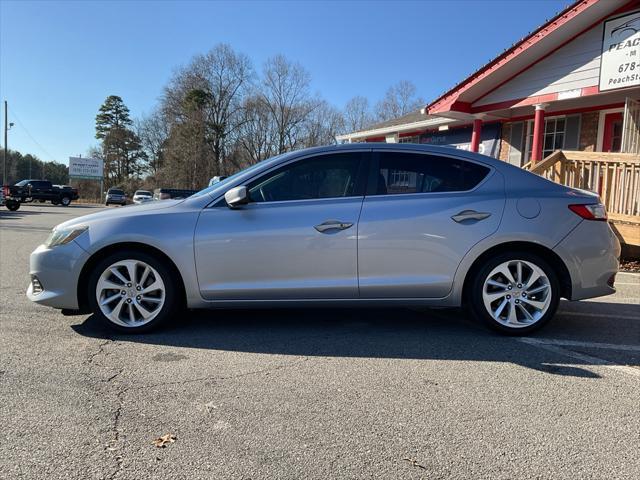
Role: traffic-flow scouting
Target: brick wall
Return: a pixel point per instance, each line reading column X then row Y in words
column 504, row 142
column 589, row 131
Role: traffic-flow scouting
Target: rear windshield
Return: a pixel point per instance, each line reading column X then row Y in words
column 116, row 192
column 144, row 192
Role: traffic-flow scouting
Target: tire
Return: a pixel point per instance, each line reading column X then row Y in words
column 12, row 205
column 164, row 301
column 495, row 298
column 42, row 200
column 55, row 202
column 65, row 201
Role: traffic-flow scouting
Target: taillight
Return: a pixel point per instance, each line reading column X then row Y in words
column 595, row 211
column 5, row 190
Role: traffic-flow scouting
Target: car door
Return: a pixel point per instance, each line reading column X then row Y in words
column 296, row 239
column 422, row 213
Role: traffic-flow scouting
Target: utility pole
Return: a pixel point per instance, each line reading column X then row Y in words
column 6, row 150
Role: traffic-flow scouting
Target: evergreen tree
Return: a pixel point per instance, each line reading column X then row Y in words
column 121, row 147
column 113, row 114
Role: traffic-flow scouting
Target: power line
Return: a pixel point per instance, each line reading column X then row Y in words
column 14, row 115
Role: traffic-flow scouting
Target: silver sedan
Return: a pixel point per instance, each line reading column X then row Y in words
column 361, row 224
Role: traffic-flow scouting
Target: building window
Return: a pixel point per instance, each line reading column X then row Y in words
column 552, row 140
column 559, row 133
column 411, row 139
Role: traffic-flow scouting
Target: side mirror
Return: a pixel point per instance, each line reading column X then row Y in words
column 237, row 196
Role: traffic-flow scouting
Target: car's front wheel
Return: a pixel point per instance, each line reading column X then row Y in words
column 132, row 291
column 515, row 293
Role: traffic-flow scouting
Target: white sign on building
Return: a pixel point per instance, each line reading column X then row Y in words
column 620, row 59
column 87, row 168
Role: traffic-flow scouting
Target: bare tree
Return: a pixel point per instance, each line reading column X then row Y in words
column 210, row 90
column 357, row 114
column 322, row 125
column 399, row 100
column 257, row 133
column 153, row 132
column 285, row 92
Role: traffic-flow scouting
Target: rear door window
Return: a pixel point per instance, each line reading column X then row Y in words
column 402, row 173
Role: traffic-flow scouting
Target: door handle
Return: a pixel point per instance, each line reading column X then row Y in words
column 470, row 215
column 332, row 225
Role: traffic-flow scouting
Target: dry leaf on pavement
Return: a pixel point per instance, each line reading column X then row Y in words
column 164, row 440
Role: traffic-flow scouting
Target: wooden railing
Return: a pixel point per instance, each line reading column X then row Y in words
column 614, row 176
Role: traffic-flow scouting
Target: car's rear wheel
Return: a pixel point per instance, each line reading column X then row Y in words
column 132, row 291
column 66, row 201
column 515, row 293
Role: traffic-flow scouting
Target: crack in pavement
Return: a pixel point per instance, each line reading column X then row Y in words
column 100, row 351
column 228, row 377
column 115, row 442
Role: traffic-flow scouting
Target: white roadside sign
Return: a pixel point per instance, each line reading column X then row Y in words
column 620, row 59
column 87, row 168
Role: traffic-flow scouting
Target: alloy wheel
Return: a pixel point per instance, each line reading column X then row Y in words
column 517, row 293
column 130, row 293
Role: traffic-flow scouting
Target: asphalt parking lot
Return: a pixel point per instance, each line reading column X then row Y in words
column 259, row 394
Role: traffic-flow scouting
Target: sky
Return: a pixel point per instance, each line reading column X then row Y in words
column 60, row 60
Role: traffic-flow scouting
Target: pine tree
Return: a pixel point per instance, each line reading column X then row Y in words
column 121, row 147
column 113, row 114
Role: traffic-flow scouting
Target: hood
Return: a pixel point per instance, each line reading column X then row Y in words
column 127, row 211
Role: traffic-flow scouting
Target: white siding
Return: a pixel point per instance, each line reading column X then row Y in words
column 576, row 65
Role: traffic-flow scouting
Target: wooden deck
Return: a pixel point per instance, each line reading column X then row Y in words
column 614, row 176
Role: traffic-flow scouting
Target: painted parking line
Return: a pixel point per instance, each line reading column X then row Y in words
column 551, row 347
column 573, row 343
column 601, row 315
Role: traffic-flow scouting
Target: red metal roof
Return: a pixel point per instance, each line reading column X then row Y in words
column 451, row 100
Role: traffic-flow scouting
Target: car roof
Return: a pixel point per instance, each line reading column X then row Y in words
column 408, row 147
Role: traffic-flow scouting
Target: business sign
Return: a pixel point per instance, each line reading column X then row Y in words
column 461, row 138
column 620, row 59
column 85, row 168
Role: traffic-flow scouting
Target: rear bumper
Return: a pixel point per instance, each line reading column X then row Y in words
column 591, row 253
column 58, row 270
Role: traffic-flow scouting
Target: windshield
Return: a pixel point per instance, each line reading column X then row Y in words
column 115, row 192
column 143, row 192
column 22, row 183
column 235, row 176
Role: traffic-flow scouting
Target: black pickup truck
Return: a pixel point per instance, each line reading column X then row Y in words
column 38, row 190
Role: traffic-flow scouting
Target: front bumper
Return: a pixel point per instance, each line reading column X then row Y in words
column 591, row 253
column 57, row 269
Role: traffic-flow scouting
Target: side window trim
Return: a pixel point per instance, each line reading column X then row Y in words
column 372, row 184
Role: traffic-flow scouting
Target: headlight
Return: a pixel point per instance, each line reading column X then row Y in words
column 64, row 235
